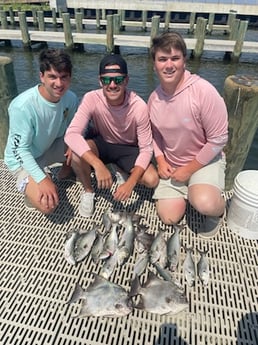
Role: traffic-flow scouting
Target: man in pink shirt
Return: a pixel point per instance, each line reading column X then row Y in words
column 120, row 133
column 190, row 128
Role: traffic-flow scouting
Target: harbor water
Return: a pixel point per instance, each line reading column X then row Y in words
column 143, row 80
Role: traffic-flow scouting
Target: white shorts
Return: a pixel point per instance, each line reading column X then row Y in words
column 55, row 154
column 212, row 174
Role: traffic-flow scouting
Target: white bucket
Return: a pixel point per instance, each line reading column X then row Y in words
column 243, row 210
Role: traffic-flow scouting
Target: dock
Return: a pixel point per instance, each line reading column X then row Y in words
column 73, row 33
column 36, row 281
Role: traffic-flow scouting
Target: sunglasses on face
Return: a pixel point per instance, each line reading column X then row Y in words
column 117, row 80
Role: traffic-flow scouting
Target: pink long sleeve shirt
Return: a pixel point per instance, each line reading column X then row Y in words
column 191, row 124
column 126, row 124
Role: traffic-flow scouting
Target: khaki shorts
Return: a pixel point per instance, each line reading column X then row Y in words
column 212, row 174
column 55, row 154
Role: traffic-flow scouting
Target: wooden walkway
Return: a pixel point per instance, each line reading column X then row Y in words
column 124, row 40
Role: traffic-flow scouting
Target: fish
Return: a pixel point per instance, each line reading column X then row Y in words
column 97, row 247
column 189, row 267
column 84, row 243
column 203, row 269
column 141, row 264
column 78, row 244
column 110, row 242
column 143, row 239
column 71, row 237
column 158, row 250
column 102, row 298
column 158, row 296
column 126, row 242
column 173, row 248
column 109, row 265
column 106, row 220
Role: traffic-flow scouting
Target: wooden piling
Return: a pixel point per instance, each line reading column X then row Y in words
column 155, row 21
column 78, row 21
column 98, row 18
column 231, row 19
column 144, row 20
column 54, row 21
column 110, row 35
column 41, row 22
column 192, row 22
column 3, row 19
column 8, row 90
column 241, row 98
column 240, row 40
column 210, row 23
column 67, row 31
column 167, row 20
column 11, row 15
column 24, row 30
column 34, row 16
column 199, row 34
column 116, row 23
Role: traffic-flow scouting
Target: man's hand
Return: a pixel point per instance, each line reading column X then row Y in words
column 47, row 194
column 103, row 176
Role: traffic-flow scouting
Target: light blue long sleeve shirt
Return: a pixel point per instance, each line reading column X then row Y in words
column 34, row 124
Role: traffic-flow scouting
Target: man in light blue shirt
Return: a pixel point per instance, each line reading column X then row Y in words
column 38, row 119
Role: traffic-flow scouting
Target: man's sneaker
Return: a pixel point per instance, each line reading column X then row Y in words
column 28, row 204
column 211, row 226
column 86, row 207
column 120, row 175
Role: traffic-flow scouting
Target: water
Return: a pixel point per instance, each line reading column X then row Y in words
column 142, row 77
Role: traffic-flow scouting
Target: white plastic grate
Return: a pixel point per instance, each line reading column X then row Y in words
column 36, row 281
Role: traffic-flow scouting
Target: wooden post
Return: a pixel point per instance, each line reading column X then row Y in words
column 240, row 40
column 122, row 19
column 24, row 30
column 231, row 19
column 167, row 20
column 34, row 15
column 103, row 14
column 241, row 98
column 200, row 32
column 67, row 31
column 78, row 20
column 234, row 29
column 54, row 17
column 116, row 23
column 3, row 19
column 155, row 20
column 144, row 20
column 98, row 18
column 8, row 90
column 210, row 23
column 191, row 22
column 11, row 15
column 41, row 20
column 110, row 35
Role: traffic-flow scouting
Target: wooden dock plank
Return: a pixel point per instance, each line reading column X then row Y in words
column 124, row 40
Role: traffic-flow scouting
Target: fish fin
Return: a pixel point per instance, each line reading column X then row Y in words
column 77, row 294
column 151, row 279
column 135, row 287
column 140, row 305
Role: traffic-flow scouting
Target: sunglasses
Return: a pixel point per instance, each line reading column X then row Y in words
column 117, row 80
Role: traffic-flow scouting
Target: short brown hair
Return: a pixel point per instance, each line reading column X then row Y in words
column 166, row 41
column 57, row 59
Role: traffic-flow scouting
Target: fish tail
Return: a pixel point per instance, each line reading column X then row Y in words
column 76, row 295
column 135, row 287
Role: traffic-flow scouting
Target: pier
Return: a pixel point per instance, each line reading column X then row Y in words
column 74, row 33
